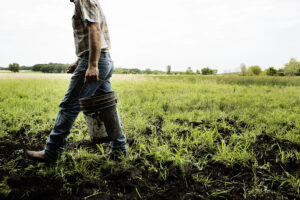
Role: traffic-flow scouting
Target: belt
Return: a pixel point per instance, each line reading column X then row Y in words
column 86, row 53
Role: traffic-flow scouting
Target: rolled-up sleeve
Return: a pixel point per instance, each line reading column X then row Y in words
column 90, row 11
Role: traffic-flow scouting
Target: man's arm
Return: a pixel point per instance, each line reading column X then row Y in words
column 94, row 52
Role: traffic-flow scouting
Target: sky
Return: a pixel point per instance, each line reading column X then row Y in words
column 220, row 34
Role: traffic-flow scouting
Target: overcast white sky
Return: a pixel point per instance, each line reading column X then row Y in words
column 220, row 34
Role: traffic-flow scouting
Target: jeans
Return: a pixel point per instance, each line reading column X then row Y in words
column 70, row 108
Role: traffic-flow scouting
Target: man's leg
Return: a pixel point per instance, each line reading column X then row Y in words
column 69, row 110
column 120, row 143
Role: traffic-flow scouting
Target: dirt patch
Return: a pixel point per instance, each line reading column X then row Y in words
column 215, row 180
column 267, row 150
column 155, row 127
column 34, row 187
column 9, row 149
column 225, row 127
column 234, row 124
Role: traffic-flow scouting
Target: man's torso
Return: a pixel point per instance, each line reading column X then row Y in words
column 88, row 11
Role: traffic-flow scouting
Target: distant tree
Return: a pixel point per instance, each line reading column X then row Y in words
column 118, row 70
column 14, row 67
column 125, row 71
column 271, row 71
column 50, row 68
column 148, row 71
column 189, row 71
column 214, row 71
column 243, row 69
column 169, row 69
column 135, row 71
column 254, row 70
column 198, row 72
column 156, row 72
column 25, row 67
column 280, row 72
column 292, row 68
column 207, row 71
column 37, row 67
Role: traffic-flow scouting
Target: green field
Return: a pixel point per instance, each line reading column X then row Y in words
column 189, row 137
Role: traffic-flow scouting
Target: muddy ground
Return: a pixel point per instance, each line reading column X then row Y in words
column 247, row 181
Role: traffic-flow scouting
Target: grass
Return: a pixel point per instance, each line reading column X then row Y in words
column 238, row 80
column 212, row 137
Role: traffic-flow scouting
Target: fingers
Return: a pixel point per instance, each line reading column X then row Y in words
column 71, row 69
column 68, row 70
column 91, row 75
column 91, row 78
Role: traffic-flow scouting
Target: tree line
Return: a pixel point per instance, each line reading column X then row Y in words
column 50, row 68
column 45, row 68
column 292, row 68
column 189, row 71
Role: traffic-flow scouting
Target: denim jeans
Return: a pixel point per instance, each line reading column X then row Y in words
column 70, row 108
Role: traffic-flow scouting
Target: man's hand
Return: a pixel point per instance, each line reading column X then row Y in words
column 91, row 75
column 72, row 67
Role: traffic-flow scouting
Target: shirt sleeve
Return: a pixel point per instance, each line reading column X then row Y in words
column 90, row 10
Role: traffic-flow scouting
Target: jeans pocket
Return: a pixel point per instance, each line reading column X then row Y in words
column 104, row 67
column 83, row 64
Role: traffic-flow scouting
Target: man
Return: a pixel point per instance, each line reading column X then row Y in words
column 92, row 72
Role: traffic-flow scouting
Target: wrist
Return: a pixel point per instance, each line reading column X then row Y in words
column 93, row 65
column 92, row 61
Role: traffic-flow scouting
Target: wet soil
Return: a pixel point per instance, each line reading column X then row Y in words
column 215, row 180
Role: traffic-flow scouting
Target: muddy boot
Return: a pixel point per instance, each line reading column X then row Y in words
column 36, row 155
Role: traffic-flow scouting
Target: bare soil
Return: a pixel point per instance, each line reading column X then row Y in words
column 138, row 182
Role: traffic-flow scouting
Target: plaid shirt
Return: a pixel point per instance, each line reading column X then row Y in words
column 88, row 11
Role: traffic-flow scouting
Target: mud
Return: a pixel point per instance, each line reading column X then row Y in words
column 224, row 127
column 214, row 180
column 33, row 187
column 266, row 149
